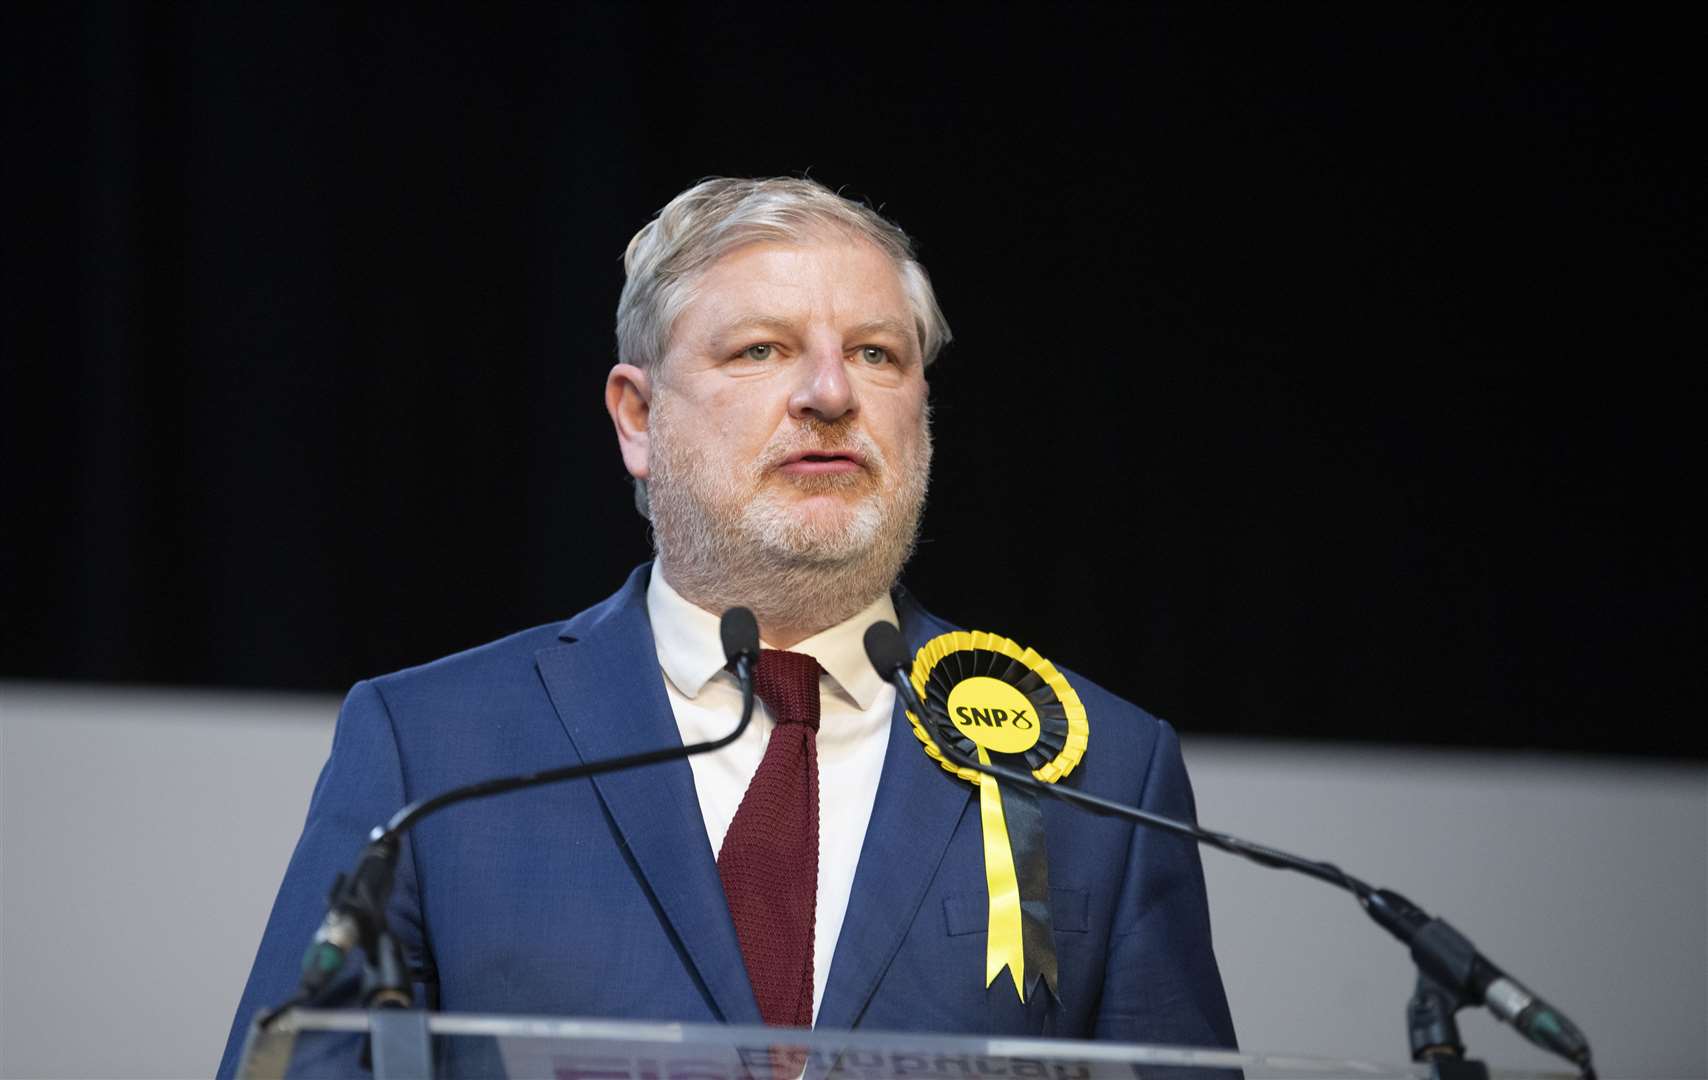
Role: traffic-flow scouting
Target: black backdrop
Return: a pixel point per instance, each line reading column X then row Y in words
column 1320, row 371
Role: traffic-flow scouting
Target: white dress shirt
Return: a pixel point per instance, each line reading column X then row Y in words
column 855, row 704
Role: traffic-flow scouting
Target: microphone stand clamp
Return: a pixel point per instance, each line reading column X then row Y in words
column 1434, row 1032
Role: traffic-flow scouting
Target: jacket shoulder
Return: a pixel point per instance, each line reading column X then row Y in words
column 507, row 664
column 1125, row 740
column 920, row 626
column 498, row 653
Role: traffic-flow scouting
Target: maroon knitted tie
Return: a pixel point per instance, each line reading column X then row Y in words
column 769, row 861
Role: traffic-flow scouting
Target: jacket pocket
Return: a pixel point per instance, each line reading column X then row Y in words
column 969, row 913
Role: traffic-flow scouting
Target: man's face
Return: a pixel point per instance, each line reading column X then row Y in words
column 788, row 417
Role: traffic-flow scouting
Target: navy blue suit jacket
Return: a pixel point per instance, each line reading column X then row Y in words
column 601, row 897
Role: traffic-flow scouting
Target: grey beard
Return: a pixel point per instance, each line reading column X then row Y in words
column 806, row 596
column 756, row 556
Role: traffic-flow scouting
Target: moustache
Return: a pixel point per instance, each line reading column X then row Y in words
column 820, row 438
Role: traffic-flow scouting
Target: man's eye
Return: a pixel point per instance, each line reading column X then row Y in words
column 759, row 352
column 872, row 354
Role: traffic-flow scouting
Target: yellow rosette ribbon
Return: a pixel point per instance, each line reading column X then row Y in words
column 1005, row 705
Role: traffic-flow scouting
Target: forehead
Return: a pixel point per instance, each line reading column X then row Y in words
column 836, row 281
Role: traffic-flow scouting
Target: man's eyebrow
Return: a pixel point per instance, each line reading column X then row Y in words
column 753, row 322
column 896, row 327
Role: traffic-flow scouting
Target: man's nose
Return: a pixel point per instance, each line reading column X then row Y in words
column 824, row 390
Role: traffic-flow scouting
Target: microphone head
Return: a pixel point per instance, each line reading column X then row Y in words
column 740, row 633
column 885, row 648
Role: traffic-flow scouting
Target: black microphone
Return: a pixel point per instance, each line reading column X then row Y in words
column 1440, row 951
column 887, row 653
column 1449, row 957
column 739, row 632
column 356, row 915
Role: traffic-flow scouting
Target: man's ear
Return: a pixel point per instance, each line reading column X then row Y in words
column 628, row 398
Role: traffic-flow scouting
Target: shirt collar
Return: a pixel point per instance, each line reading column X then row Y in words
column 691, row 653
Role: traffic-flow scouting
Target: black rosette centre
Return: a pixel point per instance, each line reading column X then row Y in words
column 964, row 664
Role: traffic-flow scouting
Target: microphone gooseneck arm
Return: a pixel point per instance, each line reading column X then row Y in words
column 402, row 821
column 740, row 633
column 356, row 909
column 1442, row 953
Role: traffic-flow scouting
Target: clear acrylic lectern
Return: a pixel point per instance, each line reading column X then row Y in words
column 313, row 1043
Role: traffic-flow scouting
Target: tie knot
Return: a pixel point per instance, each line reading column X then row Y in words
column 787, row 683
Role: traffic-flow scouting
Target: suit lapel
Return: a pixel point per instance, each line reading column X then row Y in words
column 605, row 684
column 916, row 800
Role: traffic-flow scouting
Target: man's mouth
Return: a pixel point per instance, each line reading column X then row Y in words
column 822, row 462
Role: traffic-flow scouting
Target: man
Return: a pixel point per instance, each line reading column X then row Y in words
column 771, row 404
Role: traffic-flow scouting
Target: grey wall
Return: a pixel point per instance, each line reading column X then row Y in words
column 142, row 834
column 1586, row 880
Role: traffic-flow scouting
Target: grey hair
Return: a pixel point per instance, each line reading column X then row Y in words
column 718, row 215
